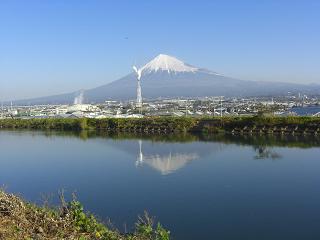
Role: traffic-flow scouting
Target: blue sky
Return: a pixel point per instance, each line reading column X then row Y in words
column 50, row 47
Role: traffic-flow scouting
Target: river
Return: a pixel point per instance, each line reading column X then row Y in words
column 218, row 187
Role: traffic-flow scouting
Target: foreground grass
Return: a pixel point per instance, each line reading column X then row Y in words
column 22, row 220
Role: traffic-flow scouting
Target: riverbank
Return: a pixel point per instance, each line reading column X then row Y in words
column 22, row 220
column 235, row 125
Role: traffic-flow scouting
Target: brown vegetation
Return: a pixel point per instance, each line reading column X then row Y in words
column 20, row 220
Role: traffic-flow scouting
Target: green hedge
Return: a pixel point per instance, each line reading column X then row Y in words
column 174, row 124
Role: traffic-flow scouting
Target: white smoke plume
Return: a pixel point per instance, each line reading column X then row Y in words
column 79, row 99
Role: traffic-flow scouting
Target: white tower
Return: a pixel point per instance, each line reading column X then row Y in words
column 139, row 160
column 139, row 94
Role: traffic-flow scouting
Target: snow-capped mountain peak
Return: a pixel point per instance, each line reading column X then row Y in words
column 167, row 63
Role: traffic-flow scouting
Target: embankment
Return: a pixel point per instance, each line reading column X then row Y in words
column 164, row 125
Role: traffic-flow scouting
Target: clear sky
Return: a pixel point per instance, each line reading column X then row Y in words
column 50, row 47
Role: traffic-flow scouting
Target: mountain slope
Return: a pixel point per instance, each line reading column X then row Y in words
column 166, row 76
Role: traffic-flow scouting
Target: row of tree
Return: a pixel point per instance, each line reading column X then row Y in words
column 162, row 124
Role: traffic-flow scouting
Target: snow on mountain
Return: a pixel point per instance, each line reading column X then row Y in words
column 167, row 63
column 171, row 64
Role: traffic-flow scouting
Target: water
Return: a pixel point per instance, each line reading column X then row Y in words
column 306, row 111
column 200, row 188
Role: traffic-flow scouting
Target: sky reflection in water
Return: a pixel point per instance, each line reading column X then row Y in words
column 218, row 187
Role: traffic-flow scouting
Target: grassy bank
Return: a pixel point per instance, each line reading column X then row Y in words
column 112, row 124
column 22, row 220
column 174, row 124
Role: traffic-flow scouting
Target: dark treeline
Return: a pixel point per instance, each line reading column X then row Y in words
column 300, row 141
column 112, row 124
column 262, row 124
column 296, row 141
column 270, row 140
column 172, row 124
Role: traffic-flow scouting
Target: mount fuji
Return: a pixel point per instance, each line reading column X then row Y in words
column 167, row 76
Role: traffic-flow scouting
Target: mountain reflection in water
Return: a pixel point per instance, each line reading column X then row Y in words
column 165, row 163
column 167, row 157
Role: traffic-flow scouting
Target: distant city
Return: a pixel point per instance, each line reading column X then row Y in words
column 176, row 107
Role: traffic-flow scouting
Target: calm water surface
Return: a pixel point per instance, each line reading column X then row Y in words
column 306, row 111
column 214, row 188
